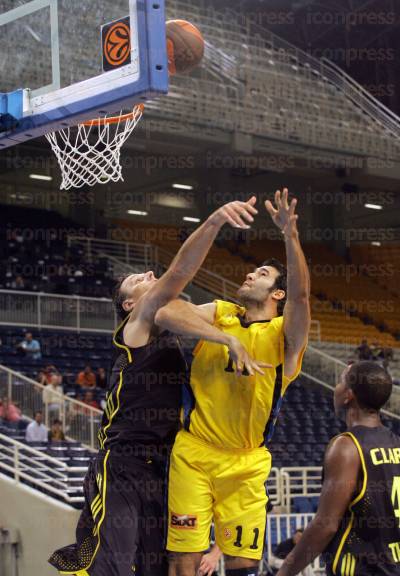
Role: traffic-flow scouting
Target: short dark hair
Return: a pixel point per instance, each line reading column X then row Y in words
column 37, row 412
column 281, row 280
column 56, row 421
column 118, row 298
column 370, row 383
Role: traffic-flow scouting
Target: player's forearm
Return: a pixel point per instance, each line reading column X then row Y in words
column 314, row 541
column 298, row 277
column 193, row 252
column 180, row 318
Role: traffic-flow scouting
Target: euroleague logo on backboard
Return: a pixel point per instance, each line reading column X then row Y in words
column 116, row 43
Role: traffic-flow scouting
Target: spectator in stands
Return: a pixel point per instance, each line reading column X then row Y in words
column 101, row 379
column 90, row 400
column 10, row 413
column 18, row 283
column 36, row 430
column 56, row 433
column 86, row 378
column 284, row 548
column 53, row 397
column 30, row 347
column 363, row 351
column 48, row 374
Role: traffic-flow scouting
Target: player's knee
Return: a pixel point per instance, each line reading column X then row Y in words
column 236, row 566
column 249, row 571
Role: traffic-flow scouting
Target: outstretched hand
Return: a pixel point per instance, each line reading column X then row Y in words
column 237, row 214
column 283, row 214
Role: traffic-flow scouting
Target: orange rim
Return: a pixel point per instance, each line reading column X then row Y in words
column 139, row 108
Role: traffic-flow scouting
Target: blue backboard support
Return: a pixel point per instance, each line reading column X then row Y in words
column 28, row 113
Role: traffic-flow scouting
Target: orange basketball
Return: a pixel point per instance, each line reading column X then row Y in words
column 185, row 45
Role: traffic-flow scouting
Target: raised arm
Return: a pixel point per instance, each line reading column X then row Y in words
column 296, row 314
column 191, row 256
column 342, row 469
column 186, row 319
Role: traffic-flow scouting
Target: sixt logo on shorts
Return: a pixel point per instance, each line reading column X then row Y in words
column 184, row 521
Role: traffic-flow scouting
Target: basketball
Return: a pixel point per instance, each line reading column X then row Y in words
column 185, row 45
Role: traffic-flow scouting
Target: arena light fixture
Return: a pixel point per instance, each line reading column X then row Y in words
column 374, row 206
column 137, row 213
column 376, row 244
column 45, row 177
column 182, row 186
column 191, row 219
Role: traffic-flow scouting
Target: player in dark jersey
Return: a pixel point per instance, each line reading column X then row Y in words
column 357, row 525
column 120, row 530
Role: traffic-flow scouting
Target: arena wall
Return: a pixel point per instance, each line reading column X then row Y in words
column 43, row 524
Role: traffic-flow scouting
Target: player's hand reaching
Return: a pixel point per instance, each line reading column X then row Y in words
column 242, row 360
column 209, row 562
column 283, row 214
column 236, row 213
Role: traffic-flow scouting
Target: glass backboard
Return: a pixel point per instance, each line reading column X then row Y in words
column 64, row 61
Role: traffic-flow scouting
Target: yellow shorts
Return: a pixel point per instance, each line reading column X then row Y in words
column 212, row 484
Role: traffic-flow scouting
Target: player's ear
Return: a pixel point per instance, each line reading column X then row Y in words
column 278, row 294
column 348, row 396
column 128, row 305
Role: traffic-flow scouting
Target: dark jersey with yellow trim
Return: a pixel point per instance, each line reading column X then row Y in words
column 144, row 396
column 368, row 540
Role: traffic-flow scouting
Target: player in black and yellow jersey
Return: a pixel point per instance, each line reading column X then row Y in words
column 121, row 526
column 220, row 461
column 357, row 525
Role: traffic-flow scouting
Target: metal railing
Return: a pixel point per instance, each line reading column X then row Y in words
column 265, row 42
column 80, row 422
column 329, row 370
column 41, row 310
column 281, row 527
column 299, row 482
column 361, row 97
column 159, row 259
column 274, row 485
column 303, row 100
column 29, row 465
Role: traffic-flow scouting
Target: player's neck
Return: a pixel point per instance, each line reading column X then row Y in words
column 256, row 312
column 355, row 416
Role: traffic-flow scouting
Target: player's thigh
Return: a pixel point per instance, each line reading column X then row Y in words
column 190, row 498
column 240, row 510
column 238, row 563
column 184, row 564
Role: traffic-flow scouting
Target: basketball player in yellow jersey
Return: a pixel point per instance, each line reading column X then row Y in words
column 220, row 461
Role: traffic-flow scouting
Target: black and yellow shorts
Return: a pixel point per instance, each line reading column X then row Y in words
column 209, row 484
column 122, row 526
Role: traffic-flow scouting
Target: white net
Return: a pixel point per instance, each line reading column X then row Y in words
column 90, row 153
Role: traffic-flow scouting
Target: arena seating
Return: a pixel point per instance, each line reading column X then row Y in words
column 336, row 301
column 305, row 426
column 336, row 286
column 36, row 257
column 70, row 453
column 256, row 82
column 69, row 352
column 382, row 263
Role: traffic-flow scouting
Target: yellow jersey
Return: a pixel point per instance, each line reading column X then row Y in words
column 238, row 412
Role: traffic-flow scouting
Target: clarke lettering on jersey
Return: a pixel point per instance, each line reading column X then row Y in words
column 395, row 548
column 183, row 521
column 385, row 456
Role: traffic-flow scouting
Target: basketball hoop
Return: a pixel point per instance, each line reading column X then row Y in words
column 90, row 152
